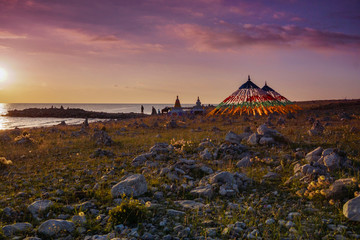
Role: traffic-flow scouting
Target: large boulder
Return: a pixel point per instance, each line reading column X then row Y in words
column 314, row 155
column 39, row 207
column 332, row 161
column 133, row 185
column 17, row 228
column 56, row 227
column 351, row 209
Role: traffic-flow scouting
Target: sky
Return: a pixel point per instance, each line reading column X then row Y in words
column 149, row 51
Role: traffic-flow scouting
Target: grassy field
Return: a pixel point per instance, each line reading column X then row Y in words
column 57, row 163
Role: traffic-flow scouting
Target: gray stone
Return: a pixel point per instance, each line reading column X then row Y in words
column 244, row 162
column 206, row 155
column 133, row 185
column 39, row 207
column 232, row 137
column 203, row 191
column 206, row 169
column 293, row 215
column 340, row 188
column 264, row 130
column 351, row 209
column 189, row 204
column 139, row 160
column 147, row 236
column 265, row 140
column 160, row 148
column 17, row 228
column 314, row 155
column 211, row 232
column 223, row 178
column 327, row 152
column 332, row 161
column 271, row 176
column 269, row 221
column 56, row 227
column 85, row 206
column 316, row 129
column 253, row 139
column 79, row 220
column 172, row 212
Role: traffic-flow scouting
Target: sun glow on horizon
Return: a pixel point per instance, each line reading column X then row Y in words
column 3, row 74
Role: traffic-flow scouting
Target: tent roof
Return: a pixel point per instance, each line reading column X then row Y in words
column 267, row 88
column 248, row 84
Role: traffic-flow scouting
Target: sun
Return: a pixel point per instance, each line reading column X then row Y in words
column 3, row 74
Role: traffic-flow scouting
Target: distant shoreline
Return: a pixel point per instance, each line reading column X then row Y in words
column 69, row 113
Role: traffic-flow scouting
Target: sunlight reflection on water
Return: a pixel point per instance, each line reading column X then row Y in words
column 3, row 120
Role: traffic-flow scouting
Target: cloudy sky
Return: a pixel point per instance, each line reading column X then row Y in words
column 149, row 51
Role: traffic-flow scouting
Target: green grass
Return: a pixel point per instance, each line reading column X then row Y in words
column 58, row 160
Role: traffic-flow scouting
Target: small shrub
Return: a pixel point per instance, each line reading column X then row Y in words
column 130, row 212
column 4, row 162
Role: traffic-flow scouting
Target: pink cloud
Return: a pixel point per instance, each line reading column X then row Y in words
column 104, row 43
column 9, row 35
column 296, row 19
column 203, row 38
column 279, row 15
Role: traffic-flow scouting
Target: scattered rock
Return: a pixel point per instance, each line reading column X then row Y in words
column 206, row 155
column 244, row 162
column 102, row 138
column 56, row 227
column 351, row 209
column 189, row 204
column 253, row 139
column 203, row 191
column 316, row 129
column 17, row 228
column 314, row 155
column 102, row 153
column 133, row 185
column 39, row 207
column 223, row 178
column 265, row 140
column 341, row 188
column 232, row 137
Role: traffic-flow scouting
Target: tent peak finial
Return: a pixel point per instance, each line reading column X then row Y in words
column 248, row 77
column 265, row 83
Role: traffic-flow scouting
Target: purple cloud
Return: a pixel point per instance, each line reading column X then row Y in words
column 231, row 37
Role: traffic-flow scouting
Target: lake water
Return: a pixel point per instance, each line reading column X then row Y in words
column 20, row 122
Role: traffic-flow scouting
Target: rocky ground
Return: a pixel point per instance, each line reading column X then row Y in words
column 293, row 176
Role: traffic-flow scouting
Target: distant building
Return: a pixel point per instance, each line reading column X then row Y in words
column 198, row 108
column 177, row 109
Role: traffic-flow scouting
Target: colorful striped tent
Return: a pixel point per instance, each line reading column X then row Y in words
column 250, row 99
column 290, row 105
